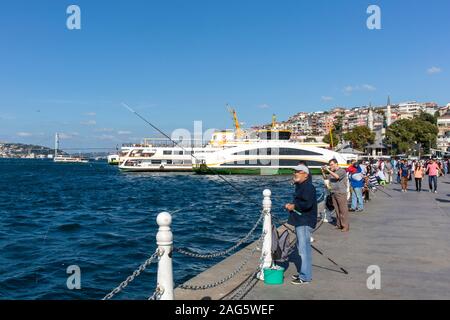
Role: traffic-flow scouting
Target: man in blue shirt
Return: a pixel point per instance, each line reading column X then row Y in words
column 356, row 179
column 303, row 215
column 404, row 175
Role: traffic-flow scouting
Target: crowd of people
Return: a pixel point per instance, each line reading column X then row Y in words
column 355, row 182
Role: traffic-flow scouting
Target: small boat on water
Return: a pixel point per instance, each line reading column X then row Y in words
column 66, row 159
column 113, row 159
column 69, row 159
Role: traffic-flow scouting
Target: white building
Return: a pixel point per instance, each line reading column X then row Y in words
column 409, row 109
column 443, row 140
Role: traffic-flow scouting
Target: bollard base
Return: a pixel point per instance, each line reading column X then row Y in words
column 260, row 275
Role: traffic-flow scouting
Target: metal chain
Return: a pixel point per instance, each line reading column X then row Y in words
column 238, row 295
column 135, row 274
column 224, row 252
column 157, row 294
column 228, row 277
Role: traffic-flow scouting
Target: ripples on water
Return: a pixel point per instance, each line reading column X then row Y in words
column 92, row 215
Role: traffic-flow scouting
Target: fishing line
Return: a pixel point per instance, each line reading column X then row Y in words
column 315, row 248
column 192, row 155
column 220, row 176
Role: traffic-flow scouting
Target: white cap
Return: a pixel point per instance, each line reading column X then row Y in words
column 302, row 168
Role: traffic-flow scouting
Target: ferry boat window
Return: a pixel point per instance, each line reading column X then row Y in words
column 168, row 161
column 178, row 153
column 147, row 154
column 275, row 135
column 187, row 162
column 166, row 152
column 156, row 161
column 297, row 152
column 273, row 163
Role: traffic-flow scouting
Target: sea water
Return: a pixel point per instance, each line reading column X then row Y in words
column 93, row 216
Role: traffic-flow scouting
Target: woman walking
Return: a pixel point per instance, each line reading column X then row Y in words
column 419, row 173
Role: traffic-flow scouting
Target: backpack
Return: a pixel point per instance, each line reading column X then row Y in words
column 281, row 245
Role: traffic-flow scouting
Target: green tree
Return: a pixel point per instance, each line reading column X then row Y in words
column 425, row 116
column 338, row 124
column 326, row 139
column 360, row 137
column 402, row 135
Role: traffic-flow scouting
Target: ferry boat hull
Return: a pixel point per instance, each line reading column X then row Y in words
column 156, row 169
column 249, row 171
column 70, row 160
column 266, row 158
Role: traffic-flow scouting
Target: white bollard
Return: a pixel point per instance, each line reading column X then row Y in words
column 164, row 239
column 266, row 253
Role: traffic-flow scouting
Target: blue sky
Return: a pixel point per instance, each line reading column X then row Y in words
column 179, row 61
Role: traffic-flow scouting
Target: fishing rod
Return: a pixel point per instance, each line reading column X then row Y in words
column 329, row 259
column 192, row 155
column 316, row 249
column 220, row 176
column 383, row 191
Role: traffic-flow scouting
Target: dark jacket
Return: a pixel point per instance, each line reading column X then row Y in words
column 305, row 201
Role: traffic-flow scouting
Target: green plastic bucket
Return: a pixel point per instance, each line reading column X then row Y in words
column 273, row 276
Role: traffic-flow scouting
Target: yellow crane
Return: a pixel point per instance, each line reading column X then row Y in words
column 236, row 121
column 331, row 137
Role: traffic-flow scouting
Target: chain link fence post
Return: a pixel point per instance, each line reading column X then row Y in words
column 266, row 253
column 164, row 239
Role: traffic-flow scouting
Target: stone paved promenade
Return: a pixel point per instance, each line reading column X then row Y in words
column 406, row 234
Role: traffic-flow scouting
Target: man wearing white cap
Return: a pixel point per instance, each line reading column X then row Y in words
column 303, row 215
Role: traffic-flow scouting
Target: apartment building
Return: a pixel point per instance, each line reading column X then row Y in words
column 443, row 141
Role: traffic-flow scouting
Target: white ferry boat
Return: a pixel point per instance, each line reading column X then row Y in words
column 150, row 158
column 229, row 152
column 66, row 159
column 272, row 153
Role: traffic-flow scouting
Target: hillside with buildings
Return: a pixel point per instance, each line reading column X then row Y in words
column 315, row 125
column 26, row 151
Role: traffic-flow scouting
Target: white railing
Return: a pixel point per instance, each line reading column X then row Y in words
column 164, row 239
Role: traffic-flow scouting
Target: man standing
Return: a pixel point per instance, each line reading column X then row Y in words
column 433, row 170
column 338, row 182
column 303, row 215
column 404, row 175
column 356, row 179
column 399, row 164
column 388, row 171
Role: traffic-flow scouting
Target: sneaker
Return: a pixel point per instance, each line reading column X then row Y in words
column 435, row 192
column 311, row 240
column 299, row 281
column 325, row 220
column 295, row 277
column 359, row 210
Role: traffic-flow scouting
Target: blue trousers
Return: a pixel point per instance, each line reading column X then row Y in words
column 357, row 199
column 304, row 251
column 432, row 181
